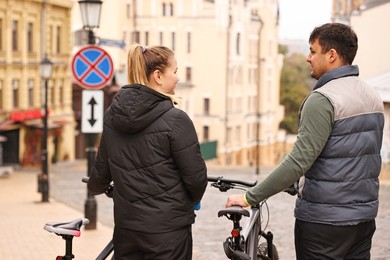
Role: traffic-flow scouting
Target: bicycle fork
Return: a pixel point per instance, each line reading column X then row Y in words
column 269, row 237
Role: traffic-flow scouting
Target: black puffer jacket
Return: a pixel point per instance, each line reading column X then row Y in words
column 150, row 150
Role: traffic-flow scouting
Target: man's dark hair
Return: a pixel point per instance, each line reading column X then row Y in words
column 336, row 36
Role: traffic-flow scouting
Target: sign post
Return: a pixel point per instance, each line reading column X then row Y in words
column 92, row 69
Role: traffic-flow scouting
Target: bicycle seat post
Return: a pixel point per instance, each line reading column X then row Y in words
column 68, row 248
column 236, row 227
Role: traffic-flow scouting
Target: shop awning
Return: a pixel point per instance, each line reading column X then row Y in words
column 7, row 125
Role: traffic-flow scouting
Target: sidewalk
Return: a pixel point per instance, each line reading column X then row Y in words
column 22, row 217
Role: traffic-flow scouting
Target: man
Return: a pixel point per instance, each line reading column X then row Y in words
column 336, row 156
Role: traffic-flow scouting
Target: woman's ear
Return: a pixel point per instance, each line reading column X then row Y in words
column 156, row 76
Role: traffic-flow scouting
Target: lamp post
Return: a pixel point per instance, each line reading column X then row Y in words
column 43, row 178
column 90, row 14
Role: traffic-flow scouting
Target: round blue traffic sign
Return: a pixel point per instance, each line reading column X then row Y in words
column 92, row 67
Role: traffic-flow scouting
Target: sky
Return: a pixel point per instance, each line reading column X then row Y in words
column 299, row 17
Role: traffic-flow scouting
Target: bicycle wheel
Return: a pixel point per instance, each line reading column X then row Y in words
column 262, row 252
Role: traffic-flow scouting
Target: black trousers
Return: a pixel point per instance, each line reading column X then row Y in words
column 319, row 241
column 133, row 245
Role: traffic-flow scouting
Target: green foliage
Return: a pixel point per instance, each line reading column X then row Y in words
column 295, row 84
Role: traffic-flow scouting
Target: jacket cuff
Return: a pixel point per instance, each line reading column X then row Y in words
column 246, row 201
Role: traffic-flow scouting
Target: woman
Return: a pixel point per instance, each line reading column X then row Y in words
column 150, row 150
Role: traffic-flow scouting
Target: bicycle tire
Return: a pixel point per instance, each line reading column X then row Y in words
column 262, row 252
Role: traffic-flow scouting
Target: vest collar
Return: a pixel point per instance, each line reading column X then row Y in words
column 340, row 72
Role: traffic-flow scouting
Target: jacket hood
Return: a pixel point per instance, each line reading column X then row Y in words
column 135, row 107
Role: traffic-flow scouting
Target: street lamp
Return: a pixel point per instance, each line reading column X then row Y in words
column 43, row 178
column 90, row 14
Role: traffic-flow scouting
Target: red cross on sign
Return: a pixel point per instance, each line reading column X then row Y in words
column 92, row 67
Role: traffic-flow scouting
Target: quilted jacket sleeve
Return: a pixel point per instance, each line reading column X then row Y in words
column 100, row 175
column 186, row 154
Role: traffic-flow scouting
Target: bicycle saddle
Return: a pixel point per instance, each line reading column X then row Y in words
column 71, row 228
column 233, row 210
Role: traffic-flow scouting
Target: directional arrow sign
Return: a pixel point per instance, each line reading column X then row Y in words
column 92, row 111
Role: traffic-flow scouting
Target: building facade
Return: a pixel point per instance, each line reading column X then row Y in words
column 29, row 30
column 229, row 68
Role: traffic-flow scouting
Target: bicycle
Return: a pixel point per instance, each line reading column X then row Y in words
column 245, row 241
column 70, row 229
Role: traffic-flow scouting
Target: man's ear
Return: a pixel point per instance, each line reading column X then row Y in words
column 333, row 55
column 156, row 76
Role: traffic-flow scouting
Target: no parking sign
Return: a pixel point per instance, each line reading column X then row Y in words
column 92, row 67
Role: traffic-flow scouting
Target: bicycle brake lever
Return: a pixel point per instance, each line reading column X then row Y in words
column 223, row 187
column 292, row 190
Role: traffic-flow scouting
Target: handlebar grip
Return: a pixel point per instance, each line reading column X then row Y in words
column 231, row 181
column 85, row 179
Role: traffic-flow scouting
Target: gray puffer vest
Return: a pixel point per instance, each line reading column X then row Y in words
column 341, row 187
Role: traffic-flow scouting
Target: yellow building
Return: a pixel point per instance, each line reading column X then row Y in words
column 29, row 30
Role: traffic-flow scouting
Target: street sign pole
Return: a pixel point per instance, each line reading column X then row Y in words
column 92, row 69
column 91, row 125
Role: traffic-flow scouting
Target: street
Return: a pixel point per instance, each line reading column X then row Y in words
column 209, row 231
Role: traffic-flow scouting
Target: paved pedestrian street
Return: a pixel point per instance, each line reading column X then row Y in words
column 22, row 216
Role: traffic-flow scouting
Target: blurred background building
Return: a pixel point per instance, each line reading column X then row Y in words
column 29, row 30
column 229, row 67
column 228, row 59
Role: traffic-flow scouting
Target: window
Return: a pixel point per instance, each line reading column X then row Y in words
column 188, row 42
column 30, row 30
column 1, row 94
column 15, row 92
column 61, row 91
column 58, row 40
column 15, row 35
column 128, row 11
column 206, row 131
column 1, row 34
column 238, row 135
column 52, row 94
column 171, row 9
column 173, row 41
column 161, row 38
column 188, row 74
column 164, row 6
column 80, row 37
column 146, row 38
column 30, row 86
column 135, row 36
column 206, row 106
column 238, row 44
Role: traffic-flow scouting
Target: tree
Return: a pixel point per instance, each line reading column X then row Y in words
column 295, row 84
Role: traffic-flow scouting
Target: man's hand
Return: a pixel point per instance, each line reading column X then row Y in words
column 236, row 200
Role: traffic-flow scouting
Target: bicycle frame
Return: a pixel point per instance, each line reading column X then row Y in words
column 106, row 251
column 250, row 232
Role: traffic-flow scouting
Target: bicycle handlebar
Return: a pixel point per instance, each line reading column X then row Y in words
column 226, row 184
column 85, row 179
column 110, row 190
